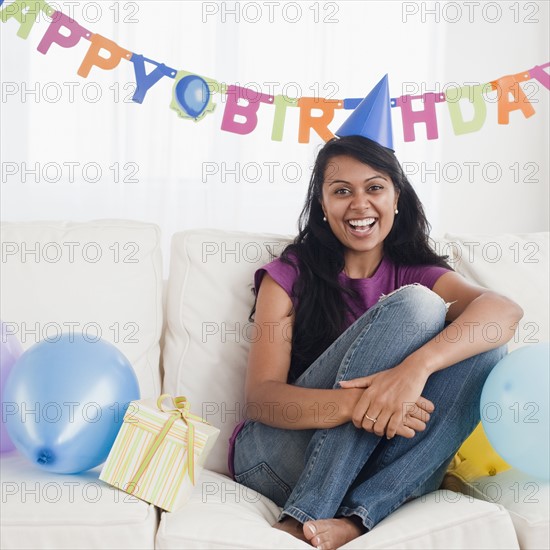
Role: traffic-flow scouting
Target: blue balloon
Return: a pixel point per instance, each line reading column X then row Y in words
column 65, row 400
column 192, row 94
column 514, row 409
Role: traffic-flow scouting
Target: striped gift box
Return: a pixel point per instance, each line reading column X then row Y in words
column 159, row 452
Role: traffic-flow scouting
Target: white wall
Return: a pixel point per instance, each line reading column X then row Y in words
column 347, row 56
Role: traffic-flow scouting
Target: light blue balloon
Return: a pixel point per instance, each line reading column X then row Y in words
column 514, row 409
column 64, row 402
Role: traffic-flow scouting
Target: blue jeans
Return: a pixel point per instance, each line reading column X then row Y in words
column 343, row 470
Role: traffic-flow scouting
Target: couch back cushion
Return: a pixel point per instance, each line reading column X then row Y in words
column 102, row 278
column 209, row 298
column 516, row 265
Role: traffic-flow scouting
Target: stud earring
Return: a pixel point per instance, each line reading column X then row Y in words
column 324, row 218
column 396, row 211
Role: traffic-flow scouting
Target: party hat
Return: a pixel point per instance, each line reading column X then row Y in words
column 372, row 117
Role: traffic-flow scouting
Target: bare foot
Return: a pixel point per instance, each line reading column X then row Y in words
column 292, row 526
column 328, row 534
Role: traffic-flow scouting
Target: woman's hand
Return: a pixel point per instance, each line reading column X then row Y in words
column 392, row 403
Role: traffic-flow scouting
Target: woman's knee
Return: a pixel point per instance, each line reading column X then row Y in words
column 415, row 296
column 421, row 308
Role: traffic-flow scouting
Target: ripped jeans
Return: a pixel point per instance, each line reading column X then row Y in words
column 344, row 471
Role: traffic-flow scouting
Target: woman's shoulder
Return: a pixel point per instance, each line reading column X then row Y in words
column 282, row 271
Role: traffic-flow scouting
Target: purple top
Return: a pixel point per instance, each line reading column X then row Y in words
column 387, row 278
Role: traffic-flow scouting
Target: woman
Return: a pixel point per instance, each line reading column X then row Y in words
column 369, row 377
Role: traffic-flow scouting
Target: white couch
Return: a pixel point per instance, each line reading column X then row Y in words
column 196, row 345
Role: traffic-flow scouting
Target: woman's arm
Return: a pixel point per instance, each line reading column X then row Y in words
column 269, row 398
column 481, row 320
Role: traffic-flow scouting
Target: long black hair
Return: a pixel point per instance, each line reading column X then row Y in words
column 320, row 315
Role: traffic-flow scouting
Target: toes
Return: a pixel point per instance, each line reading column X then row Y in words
column 329, row 534
column 315, row 532
column 310, row 530
column 320, row 542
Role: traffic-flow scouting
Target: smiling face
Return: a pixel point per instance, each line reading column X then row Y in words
column 359, row 203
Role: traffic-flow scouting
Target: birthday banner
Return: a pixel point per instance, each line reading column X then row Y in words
column 193, row 94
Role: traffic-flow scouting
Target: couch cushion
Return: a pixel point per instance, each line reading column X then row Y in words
column 208, row 334
column 102, row 277
column 515, row 265
column 45, row 510
column 243, row 519
column 525, row 498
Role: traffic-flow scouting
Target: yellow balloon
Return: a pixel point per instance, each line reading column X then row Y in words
column 476, row 457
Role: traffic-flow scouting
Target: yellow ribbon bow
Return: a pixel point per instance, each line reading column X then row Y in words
column 180, row 410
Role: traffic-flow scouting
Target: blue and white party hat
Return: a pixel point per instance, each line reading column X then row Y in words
column 372, row 117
